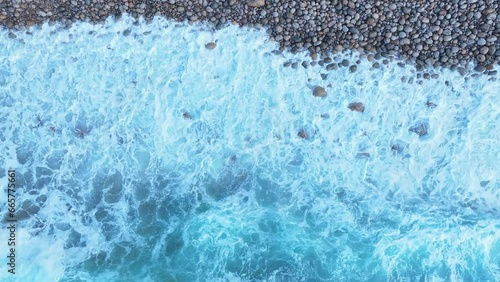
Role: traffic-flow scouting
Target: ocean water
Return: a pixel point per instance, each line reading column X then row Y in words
column 117, row 183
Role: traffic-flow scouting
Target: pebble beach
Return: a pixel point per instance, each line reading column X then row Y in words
column 454, row 34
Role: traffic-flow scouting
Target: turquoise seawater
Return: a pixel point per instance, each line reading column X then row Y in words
column 115, row 184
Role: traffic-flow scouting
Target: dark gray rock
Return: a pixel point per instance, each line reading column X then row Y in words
column 319, row 91
column 357, row 107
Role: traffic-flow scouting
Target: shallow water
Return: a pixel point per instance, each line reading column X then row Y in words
column 116, row 185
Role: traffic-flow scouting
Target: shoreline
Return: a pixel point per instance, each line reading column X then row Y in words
column 428, row 35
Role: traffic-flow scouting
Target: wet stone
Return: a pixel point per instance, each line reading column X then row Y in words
column 302, row 134
column 479, row 68
column 397, row 148
column 430, row 104
column 362, row 155
column 420, row 128
column 211, row 45
column 256, row 3
column 331, row 67
column 319, row 91
column 357, row 107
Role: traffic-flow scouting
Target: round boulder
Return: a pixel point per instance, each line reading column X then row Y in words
column 357, row 106
column 319, row 91
column 211, row 45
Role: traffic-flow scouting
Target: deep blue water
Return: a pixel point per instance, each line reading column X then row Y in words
column 117, row 183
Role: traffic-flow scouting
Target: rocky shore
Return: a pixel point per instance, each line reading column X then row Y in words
column 456, row 34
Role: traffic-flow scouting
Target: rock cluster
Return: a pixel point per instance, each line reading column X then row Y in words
column 428, row 33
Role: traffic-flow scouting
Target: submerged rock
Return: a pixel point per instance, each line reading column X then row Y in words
column 484, row 183
column 231, row 180
column 357, row 106
column 319, row 91
column 430, row 104
column 302, row 134
column 362, row 155
column 211, row 45
column 421, row 128
column 399, row 147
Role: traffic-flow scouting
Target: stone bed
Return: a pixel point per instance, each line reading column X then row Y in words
column 456, row 34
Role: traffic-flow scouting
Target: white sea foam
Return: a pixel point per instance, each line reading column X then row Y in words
column 117, row 185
